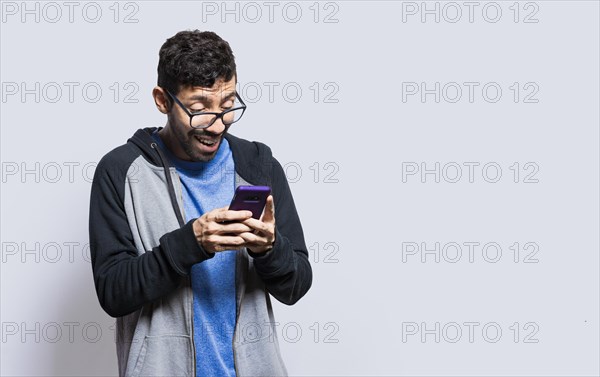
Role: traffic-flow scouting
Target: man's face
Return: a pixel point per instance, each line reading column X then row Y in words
column 201, row 144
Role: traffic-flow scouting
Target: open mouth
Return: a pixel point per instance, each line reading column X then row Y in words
column 210, row 144
column 206, row 141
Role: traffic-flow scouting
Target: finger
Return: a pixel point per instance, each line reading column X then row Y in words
column 213, row 214
column 257, row 225
column 234, row 227
column 217, row 210
column 225, row 241
column 269, row 212
column 220, row 248
column 230, row 215
column 252, row 239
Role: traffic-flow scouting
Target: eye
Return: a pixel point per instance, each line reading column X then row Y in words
column 227, row 105
column 196, row 110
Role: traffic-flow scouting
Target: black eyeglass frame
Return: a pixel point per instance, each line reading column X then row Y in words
column 217, row 115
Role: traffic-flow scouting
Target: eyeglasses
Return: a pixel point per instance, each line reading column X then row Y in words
column 201, row 120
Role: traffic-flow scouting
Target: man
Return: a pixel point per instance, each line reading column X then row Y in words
column 187, row 279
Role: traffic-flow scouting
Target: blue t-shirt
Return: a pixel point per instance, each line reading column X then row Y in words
column 206, row 186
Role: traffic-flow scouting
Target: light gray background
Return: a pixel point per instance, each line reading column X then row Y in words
column 373, row 301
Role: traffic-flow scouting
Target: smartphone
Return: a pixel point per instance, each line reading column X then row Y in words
column 251, row 198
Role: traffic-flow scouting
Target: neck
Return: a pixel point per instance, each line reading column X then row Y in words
column 170, row 141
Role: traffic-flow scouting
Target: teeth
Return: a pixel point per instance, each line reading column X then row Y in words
column 206, row 142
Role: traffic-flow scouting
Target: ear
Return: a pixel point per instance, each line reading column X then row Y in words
column 161, row 99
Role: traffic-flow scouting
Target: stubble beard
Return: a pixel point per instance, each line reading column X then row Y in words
column 187, row 141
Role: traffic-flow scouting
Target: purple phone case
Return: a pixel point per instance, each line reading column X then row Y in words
column 252, row 198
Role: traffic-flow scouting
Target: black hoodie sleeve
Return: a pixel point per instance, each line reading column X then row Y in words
column 285, row 268
column 124, row 279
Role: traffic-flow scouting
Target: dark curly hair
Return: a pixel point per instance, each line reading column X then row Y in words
column 194, row 58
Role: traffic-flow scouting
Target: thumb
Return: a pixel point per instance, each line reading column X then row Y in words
column 269, row 213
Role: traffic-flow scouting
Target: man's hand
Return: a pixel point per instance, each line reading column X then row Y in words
column 261, row 237
column 221, row 229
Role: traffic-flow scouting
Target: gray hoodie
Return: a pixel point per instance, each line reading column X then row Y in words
column 142, row 253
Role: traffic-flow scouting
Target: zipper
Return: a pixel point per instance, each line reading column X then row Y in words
column 238, row 309
column 191, row 302
column 192, row 326
column 238, row 302
column 180, row 219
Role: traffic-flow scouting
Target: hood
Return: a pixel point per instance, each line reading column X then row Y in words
column 253, row 160
column 142, row 138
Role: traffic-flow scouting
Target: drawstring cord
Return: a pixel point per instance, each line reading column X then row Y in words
column 169, row 184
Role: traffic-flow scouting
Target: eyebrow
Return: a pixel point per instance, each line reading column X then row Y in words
column 203, row 98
